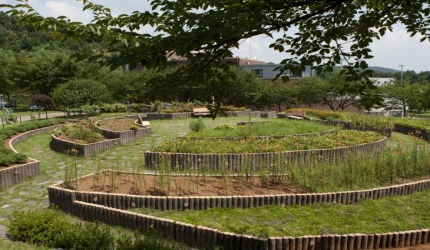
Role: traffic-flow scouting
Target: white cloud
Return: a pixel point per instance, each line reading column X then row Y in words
column 397, row 48
column 72, row 10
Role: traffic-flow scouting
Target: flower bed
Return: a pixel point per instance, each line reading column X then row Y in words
column 125, row 135
column 253, row 161
column 112, row 138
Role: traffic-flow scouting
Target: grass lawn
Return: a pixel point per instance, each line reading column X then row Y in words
column 373, row 216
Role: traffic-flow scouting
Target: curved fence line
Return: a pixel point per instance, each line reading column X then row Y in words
column 85, row 150
column 108, row 208
column 255, row 161
column 18, row 173
column 126, row 135
column 63, row 198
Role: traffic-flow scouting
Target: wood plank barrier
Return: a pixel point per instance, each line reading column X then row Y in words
column 253, row 161
column 84, row 150
column 208, row 238
column 18, row 173
column 114, row 138
column 63, row 198
column 404, row 129
column 127, row 135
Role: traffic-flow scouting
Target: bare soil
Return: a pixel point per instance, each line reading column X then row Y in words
column 116, row 124
column 184, row 185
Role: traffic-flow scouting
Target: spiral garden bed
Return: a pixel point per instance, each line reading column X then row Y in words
column 113, row 138
column 109, row 208
column 237, row 162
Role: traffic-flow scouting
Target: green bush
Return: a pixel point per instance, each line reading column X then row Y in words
column 50, row 228
column 41, row 227
column 223, row 127
column 197, row 125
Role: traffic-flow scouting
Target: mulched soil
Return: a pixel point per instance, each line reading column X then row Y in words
column 116, row 124
column 137, row 184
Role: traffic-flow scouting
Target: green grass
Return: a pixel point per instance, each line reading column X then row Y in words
column 272, row 128
column 374, row 216
column 8, row 245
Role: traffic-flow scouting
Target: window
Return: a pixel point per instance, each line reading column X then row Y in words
column 259, row 72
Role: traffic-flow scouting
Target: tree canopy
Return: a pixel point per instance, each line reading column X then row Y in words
column 326, row 32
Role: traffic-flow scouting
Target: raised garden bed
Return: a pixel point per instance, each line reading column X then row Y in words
column 212, row 158
column 126, row 129
column 115, row 131
column 17, row 173
column 109, row 208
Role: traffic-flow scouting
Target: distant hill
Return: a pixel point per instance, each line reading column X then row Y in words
column 382, row 69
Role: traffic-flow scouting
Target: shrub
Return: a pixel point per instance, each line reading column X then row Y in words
column 50, row 228
column 134, row 127
column 43, row 101
column 42, row 227
column 197, row 125
column 223, row 127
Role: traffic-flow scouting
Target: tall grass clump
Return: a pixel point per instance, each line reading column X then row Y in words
column 197, row 125
column 392, row 166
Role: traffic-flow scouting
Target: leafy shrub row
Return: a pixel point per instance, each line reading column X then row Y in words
column 7, row 156
column 358, row 121
column 51, row 228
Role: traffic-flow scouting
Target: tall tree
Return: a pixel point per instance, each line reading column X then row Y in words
column 47, row 70
column 77, row 93
column 327, row 31
column 337, row 92
column 399, row 95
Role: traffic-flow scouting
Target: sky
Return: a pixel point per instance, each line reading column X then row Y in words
column 394, row 49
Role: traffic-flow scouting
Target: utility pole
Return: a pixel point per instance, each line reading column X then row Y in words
column 401, row 73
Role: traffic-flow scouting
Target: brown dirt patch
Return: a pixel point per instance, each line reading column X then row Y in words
column 140, row 184
column 116, row 124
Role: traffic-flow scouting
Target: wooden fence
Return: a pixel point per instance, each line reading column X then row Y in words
column 125, row 136
column 84, row 150
column 255, row 161
column 15, row 174
column 404, row 129
column 63, row 198
column 114, row 138
column 108, row 208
